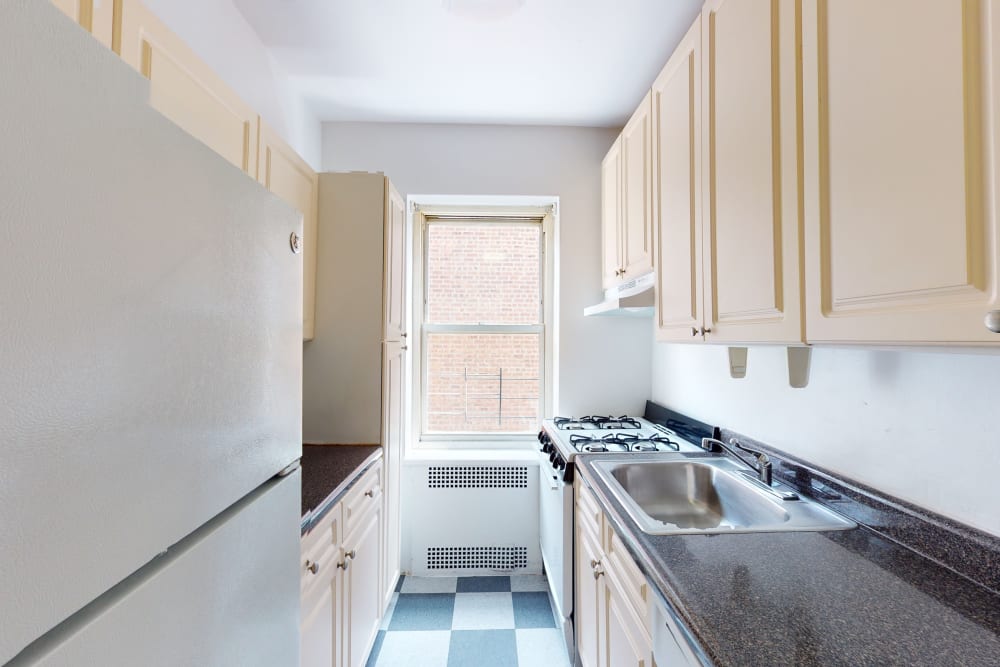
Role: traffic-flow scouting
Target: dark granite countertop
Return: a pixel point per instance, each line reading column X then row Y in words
column 850, row 597
column 328, row 471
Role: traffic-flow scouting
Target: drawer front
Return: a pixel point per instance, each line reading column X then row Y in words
column 588, row 512
column 631, row 580
column 365, row 497
column 319, row 548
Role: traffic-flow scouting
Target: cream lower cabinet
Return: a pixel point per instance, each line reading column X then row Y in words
column 342, row 562
column 98, row 17
column 283, row 172
column 611, row 595
column 725, row 188
column 186, row 91
column 901, row 140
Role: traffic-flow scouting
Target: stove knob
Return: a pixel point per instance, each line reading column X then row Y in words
column 560, row 463
column 552, row 456
column 541, row 436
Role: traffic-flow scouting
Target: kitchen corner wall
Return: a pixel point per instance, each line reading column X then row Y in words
column 603, row 362
column 922, row 426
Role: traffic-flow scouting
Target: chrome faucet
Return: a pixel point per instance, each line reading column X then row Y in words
column 763, row 463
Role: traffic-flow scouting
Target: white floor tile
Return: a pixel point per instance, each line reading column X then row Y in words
column 388, row 611
column 429, row 585
column 483, row 611
column 528, row 583
column 541, row 648
column 415, row 649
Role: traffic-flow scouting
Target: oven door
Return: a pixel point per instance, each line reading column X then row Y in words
column 556, row 525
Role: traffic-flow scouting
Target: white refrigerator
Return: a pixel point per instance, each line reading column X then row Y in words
column 150, row 375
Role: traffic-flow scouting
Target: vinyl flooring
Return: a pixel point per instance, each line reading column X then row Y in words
column 469, row 622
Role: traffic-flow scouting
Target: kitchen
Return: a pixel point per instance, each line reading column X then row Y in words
column 873, row 409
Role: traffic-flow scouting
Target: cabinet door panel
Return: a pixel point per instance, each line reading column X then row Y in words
column 395, row 264
column 96, row 16
column 611, row 183
column 676, row 100
column 587, row 614
column 393, row 425
column 751, row 190
column 637, row 227
column 287, row 175
column 186, row 91
column 899, row 120
column 627, row 645
column 363, row 602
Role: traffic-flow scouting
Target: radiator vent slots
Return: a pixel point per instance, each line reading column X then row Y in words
column 477, row 477
column 465, row 558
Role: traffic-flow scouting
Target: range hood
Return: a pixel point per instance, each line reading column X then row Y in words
column 633, row 298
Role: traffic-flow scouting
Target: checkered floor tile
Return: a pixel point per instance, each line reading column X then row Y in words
column 469, row 622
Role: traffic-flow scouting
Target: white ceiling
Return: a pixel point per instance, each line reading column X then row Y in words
column 553, row 62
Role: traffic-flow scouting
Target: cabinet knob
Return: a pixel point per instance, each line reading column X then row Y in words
column 344, row 565
column 992, row 321
column 404, row 347
column 402, row 335
column 312, row 567
column 598, row 571
column 694, row 331
column 295, row 242
column 350, row 554
column 370, row 493
column 594, row 563
column 705, row 331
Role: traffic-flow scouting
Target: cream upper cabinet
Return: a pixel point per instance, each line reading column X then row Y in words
column 283, row 172
column 98, row 17
column 186, row 91
column 726, row 191
column 750, row 175
column 676, row 121
column 394, row 246
column 611, row 218
column 901, row 138
column 637, row 215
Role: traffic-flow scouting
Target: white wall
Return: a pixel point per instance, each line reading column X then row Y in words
column 921, row 426
column 219, row 34
column 604, row 363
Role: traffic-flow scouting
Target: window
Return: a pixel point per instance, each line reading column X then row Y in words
column 482, row 364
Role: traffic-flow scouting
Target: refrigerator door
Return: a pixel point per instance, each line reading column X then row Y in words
column 150, row 326
column 228, row 595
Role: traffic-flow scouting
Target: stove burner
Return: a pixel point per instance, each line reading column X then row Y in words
column 591, row 422
column 635, row 443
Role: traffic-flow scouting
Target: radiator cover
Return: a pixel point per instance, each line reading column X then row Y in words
column 471, row 519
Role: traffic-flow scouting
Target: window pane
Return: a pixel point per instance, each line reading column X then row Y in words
column 483, row 383
column 480, row 273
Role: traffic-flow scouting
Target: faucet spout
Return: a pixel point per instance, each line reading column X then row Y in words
column 762, row 465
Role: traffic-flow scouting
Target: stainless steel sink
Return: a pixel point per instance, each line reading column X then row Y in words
column 684, row 495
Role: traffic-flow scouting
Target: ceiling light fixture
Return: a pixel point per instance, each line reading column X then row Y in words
column 483, row 10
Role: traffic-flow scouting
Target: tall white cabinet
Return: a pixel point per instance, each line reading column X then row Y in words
column 354, row 372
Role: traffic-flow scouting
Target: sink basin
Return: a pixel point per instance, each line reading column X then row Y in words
column 671, row 496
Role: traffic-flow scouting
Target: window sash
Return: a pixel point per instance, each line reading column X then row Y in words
column 474, row 329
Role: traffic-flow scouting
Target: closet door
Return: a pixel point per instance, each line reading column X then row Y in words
column 751, row 192
column 900, row 128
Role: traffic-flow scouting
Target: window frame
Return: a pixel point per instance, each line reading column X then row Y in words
column 425, row 214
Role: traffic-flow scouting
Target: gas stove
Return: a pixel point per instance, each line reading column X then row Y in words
column 563, row 438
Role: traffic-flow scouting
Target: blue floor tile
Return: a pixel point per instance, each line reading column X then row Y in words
column 484, row 584
column 373, row 656
column 423, row 611
column 482, row 648
column 532, row 610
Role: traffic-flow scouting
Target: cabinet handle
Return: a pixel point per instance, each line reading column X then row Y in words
column 598, row 571
column 351, row 554
column 594, row 564
column 344, row 565
column 694, row 331
column 402, row 335
column 992, row 321
column 312, row 567
column 705, row 331
column 370, row 493
column 404, row 347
